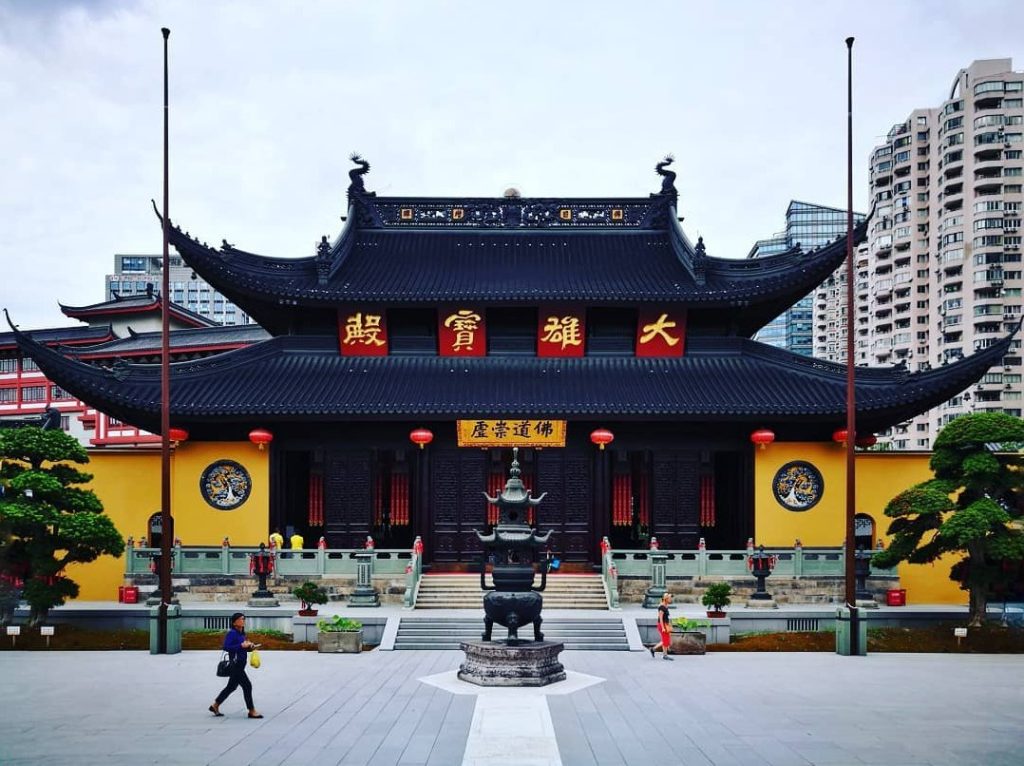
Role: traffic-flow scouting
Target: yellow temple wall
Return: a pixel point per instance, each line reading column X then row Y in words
column 128, row 484
column 880, row 476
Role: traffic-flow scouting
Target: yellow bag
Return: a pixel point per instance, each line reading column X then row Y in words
column 254, row 658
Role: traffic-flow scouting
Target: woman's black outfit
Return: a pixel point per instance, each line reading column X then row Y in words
column 239, row 659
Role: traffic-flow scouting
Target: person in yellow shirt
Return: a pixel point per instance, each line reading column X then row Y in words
column 296, row 541
column 277, row 540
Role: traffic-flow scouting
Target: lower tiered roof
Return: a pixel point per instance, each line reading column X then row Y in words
column 304, row 378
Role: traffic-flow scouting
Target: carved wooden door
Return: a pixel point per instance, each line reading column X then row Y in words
column 458, row 507
column 675, row 503
column 347, row 498
column 566, row 476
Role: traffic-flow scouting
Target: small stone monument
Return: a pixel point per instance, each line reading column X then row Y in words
column 513, row 601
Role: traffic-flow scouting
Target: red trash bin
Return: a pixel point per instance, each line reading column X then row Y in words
column 131, row 594
column 896, row 597
column 120, row 594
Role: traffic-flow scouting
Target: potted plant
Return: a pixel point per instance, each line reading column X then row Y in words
column 310, row 594
column 716, row 597
column 688, row 636
column 340, row 635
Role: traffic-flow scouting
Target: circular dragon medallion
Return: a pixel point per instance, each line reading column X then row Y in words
column 798, row 486
column 225, row 485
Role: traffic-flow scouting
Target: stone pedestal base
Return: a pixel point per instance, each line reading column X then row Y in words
column 496, row 664
column 762, row 603
column 364, row 597
column 652, row 597
column 268, row 600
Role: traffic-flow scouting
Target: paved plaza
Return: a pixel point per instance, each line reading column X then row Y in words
column 727, row 709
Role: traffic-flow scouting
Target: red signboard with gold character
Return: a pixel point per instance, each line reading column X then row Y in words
column 362, row 331
column 661, row 333
column 462, row 331
column 561, row 331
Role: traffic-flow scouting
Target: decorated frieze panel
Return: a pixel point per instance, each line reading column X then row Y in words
column 519, row 213
column 462, row 331
column 661, row 332
column 363, row 331
column 561, row 331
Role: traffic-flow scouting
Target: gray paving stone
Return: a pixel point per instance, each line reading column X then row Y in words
column 724, row 709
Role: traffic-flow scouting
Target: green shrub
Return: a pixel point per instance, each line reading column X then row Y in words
column 339, row 625
column 687, row 623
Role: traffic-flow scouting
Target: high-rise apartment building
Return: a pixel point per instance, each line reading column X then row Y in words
column 132, row 274
column 941, row 274
column 809, row 226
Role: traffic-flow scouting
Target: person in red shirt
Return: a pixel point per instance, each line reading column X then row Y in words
column 664, row 627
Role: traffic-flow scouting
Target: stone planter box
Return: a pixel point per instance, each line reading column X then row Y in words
column 347, row 642
column 688, row 642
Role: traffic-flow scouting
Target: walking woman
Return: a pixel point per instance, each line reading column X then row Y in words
column 664, row 627
column 237, row 646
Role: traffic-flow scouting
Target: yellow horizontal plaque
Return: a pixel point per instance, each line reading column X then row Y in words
column 511, row 433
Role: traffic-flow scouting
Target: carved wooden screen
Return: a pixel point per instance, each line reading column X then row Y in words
column 458, row 479
column 348, row 496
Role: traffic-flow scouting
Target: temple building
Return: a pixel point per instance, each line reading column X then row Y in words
column 416, row 348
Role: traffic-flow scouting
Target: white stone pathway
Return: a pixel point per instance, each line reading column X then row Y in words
column 511, row 727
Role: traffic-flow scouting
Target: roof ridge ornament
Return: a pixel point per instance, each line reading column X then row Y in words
column 356, row 187
column 668, row 177
column 700, row 262
column 323, row 260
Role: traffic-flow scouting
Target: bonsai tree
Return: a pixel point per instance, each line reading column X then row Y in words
column 972, row 506
column 310, row 594
column 46, row 521
column 716, row 597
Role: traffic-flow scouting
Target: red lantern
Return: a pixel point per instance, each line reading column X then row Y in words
column 601, row 437
column 839, row 435
column 261, row 437
column 421, row 436
column 178, row 435
column 866, row 441
column 762, row 437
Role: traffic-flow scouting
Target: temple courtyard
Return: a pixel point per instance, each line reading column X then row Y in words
column 615, row 708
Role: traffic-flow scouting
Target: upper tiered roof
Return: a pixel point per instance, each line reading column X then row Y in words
column 512, row 250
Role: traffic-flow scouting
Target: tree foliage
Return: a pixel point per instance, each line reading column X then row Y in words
column 973, row 506
column 46, row 522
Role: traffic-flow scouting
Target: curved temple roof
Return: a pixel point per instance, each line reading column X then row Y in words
column 381, row 259
column 303, row 378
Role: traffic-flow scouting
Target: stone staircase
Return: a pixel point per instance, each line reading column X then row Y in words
column 600, row 634
column 462, row 591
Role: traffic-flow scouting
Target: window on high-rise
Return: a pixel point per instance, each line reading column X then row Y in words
column 133, row 263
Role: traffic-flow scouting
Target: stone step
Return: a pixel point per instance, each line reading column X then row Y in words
column 448, row 632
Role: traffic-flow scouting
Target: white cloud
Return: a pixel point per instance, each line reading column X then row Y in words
column 459, row 98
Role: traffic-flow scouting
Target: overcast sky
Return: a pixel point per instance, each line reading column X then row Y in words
column 444, row 98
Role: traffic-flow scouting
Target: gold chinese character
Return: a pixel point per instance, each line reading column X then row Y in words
column 659, row 328
column 465, row 324
column 363, row 329
column 564, row 331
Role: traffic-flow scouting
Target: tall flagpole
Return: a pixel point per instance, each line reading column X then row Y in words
column 166, row 529
column 851, row 410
